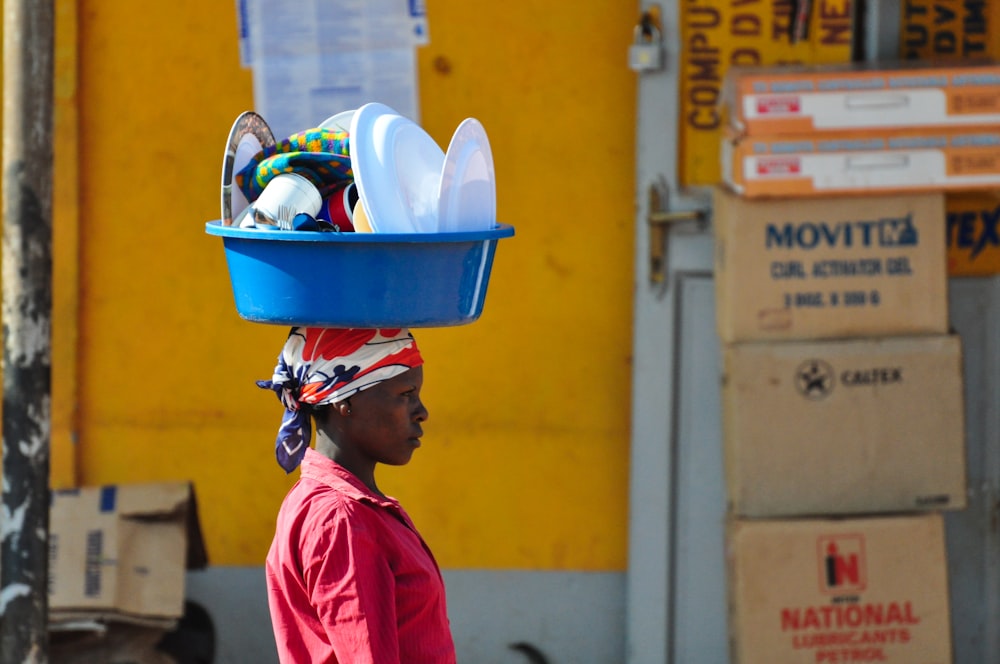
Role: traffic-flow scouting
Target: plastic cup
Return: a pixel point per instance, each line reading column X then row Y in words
column 339, row 206
column 284, row 197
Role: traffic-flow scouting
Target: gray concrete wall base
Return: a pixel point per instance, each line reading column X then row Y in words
column 568, row 617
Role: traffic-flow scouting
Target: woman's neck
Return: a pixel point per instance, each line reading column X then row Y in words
column 358, row 467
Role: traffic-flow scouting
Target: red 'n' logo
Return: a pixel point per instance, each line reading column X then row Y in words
column 779, row 166
column 779, row 104
column 841, row 564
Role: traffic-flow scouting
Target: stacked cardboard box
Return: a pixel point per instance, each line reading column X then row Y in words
column 118, row 555
column 839, row 590
column 842, row 391
column 810, row 131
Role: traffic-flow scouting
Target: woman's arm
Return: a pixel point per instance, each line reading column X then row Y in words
column 352, row 588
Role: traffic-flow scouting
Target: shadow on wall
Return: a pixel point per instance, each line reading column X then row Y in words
column 534, row 655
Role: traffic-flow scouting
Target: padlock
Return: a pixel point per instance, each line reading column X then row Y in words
column 646, row 52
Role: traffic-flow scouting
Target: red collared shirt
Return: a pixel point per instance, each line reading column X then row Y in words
column 349, row 579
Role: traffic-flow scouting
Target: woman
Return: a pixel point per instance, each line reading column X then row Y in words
column 349, row 579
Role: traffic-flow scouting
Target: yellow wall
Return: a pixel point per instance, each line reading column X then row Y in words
column 525, row 461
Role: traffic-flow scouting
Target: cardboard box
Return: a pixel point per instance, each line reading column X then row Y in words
column 884, row 162
column 973, row 234
column 115, row 643
column 121, row 551
column 839, row 591
column 844, row 427
column 860, row 96
column 829, row 268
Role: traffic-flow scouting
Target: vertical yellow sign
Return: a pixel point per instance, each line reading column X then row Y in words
column 959, row 29
column 717, row 34
column 973, row 234
column 942, row 29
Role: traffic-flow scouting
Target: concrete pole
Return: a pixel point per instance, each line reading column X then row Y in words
column 27, row 327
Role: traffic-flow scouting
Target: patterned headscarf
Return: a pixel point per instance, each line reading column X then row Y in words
column 320, row 365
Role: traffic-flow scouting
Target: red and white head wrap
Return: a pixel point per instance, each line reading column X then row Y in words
column 321, row 365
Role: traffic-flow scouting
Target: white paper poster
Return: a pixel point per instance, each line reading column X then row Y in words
column 312, row 59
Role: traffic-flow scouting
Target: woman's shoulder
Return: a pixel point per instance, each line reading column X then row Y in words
column 317, row 505
column 310, row 496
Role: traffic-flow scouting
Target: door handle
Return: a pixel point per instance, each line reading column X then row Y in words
column 659, row 220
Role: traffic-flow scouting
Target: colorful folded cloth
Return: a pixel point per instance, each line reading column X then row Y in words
column 322, row 156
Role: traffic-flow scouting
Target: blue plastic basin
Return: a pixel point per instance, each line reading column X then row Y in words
column 332, row 279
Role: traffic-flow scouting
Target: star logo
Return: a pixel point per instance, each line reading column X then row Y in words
column 814, row 379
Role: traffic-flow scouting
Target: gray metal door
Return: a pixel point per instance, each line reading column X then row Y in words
column 698, row 632
column 973, row 537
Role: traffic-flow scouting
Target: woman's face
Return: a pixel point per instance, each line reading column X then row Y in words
column 385, row 421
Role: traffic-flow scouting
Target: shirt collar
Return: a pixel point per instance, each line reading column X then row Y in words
column 327, row 471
